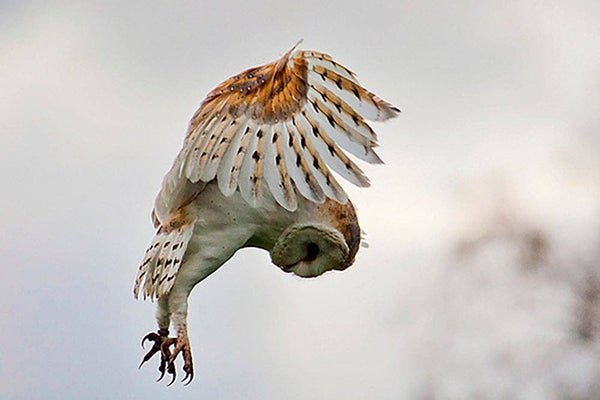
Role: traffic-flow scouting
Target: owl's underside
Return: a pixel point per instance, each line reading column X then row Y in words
column 254, row 172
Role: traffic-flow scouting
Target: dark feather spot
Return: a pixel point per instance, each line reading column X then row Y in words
column 167, row 243
column 338, row 82
column 278, row 159
column 331, row 120
column 298, row 160
column 169, row 261
column 256, row 155
column 323, row 96
column 303, row 142
column 260, row 133
column 315, row 131
column 316, row 163
column 331, row 149
column 274, row 137
column 355, row 91
column 240, row 149
column 314, row 104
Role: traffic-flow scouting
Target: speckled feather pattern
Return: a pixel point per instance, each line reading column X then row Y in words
column 280, row 128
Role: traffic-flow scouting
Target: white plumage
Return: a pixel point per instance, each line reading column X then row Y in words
column 254, row 170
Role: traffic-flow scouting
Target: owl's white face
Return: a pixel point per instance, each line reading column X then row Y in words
column 309, row 250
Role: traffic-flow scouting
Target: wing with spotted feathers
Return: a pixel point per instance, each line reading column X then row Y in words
column 278, row 129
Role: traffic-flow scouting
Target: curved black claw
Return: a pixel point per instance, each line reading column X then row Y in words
column 189, row 376
column 151, row 336
column 166, row 365
column 170, row 368
column 172, row 380
column 157, row 339
column 184, row 348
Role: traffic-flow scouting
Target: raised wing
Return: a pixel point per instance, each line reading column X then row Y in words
column 279, row 127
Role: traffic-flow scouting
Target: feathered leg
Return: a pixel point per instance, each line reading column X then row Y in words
column 172, row 308
column 178, row 303
column 204, row 255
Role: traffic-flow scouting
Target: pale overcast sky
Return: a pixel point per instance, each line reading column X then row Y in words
column 500, row 106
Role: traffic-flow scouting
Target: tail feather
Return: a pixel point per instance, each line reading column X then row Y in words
column 161, row 262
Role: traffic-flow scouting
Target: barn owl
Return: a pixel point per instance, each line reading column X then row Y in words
column 254, row 171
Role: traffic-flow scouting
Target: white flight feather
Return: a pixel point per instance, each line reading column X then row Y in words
column 365, row 107
column 196, row 144
column 224, row 170
column 279, row 185
column 212, row 163
column 345, row 136
column 319, row 189
column 295, row 170
column 329, row 101
column 247, row 166
column 325, row 61
column 354, row 174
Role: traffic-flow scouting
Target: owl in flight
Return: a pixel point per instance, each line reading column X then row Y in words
column 254, row 171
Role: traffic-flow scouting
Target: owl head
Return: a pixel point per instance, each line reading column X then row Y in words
column 310, row 249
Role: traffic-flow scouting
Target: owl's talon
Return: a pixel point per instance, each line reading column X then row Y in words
column 182, row 345
column 173, row 377
column 162, row 374
column 155, row 348
column 189, row 376
column 151, row 336
column 188, row 367
column 162, row 344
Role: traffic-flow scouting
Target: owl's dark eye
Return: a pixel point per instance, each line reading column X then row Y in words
column 312, row 251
